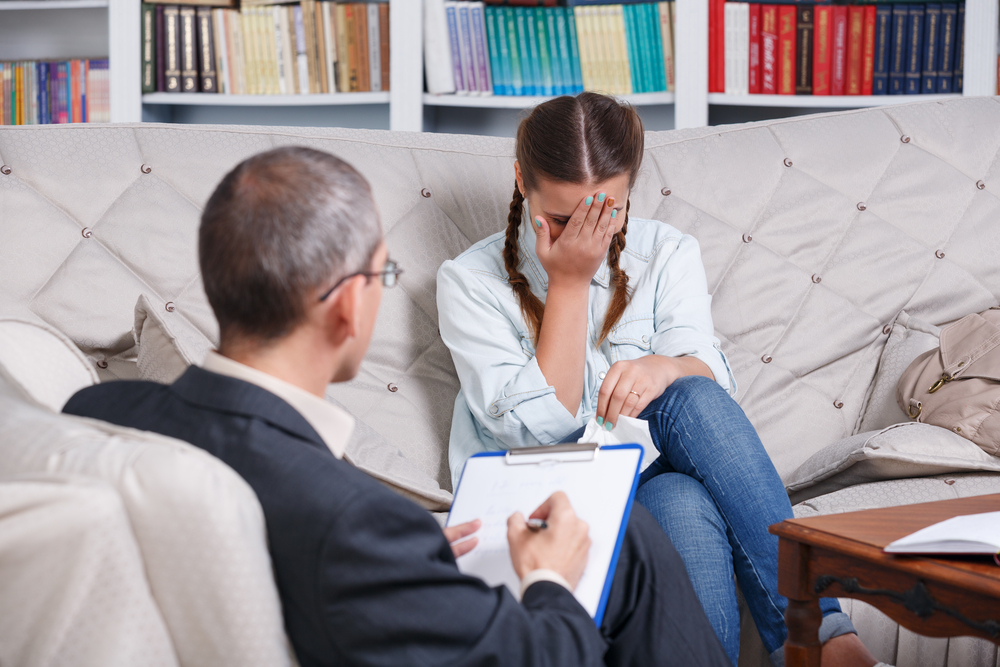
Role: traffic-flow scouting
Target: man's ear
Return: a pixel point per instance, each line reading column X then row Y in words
column 343, row 315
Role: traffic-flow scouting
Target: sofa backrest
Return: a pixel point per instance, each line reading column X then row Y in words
column 815, row 231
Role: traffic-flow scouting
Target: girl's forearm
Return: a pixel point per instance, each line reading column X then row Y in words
column 562, row 342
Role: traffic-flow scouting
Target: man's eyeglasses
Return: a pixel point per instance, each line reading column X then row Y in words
column 388, row 275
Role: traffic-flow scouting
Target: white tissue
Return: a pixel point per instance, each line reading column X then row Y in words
column 628, row 430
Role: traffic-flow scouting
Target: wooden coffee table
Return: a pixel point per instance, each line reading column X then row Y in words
column 840, row 555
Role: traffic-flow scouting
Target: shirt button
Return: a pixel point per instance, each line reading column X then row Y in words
column 494, row 409
column 645, row 339
column 601, row 375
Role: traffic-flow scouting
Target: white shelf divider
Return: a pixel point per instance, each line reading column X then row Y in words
column 9, row 5
column 820, row 101
column 124, row 65
column 213, row 99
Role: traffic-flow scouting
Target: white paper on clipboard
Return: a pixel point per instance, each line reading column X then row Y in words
column 600, row 484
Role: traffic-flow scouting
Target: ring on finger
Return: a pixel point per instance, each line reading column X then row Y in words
column 635, row 392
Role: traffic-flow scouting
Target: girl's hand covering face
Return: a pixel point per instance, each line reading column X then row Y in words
column 572, row 251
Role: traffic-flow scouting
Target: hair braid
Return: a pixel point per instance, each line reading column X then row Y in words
column 531, row 306
column 623, row 294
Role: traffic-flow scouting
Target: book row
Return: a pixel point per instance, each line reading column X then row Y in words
column 518, row 50
column 275, row 49
column 36, row 92
column 824, row 49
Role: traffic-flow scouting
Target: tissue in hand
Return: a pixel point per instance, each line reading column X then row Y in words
column 627, row 430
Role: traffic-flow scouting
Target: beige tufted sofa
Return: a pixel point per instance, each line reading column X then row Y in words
column 816, row 232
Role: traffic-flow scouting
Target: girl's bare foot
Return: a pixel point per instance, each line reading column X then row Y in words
column 847, row 651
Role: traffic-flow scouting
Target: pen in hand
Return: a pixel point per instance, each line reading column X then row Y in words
column 535, row 525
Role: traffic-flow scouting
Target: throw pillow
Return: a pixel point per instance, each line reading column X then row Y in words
column 167, row 348
column 42, row 363
column 896, row 452
column 908, row 339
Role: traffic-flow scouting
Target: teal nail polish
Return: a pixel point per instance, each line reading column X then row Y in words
column 601, row 197
column 600, row 421
column 614, row 213
column 588, row 201
column 608, row 425
column 538, row 222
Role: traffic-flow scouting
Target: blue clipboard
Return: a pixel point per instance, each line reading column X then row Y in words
column 518, row 480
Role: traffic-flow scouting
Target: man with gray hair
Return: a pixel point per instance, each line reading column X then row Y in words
column 294, row 265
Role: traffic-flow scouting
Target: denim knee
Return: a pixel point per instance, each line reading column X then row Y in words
column 680, row 497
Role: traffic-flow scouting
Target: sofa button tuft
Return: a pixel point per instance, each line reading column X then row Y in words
column 145, row 169
column 905, row 138
column 102, row 364
column 838, row 404
column 86, row 232
column 747, row 238
column 169, row 306
column 665, row 192
column 788, row 162
column 392, row 387
column 766, row 358
column 5, row 170
column 425, row 193
column 939, row 254
column 949, row 482
column 981, row 185
column 886, row 329
column 817, row 278
column 862, row 206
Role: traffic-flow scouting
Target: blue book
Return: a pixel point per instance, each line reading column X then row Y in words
column 574, row 50
column 656, row 53
column 565, row 59
column 632, row 46
column 43, row 93
column 534, row 52
column 456, row 53
column 957, row 78
column 932, row 48
column 897, row 60
column 946, row 66
column 491, row 37
column 527, row 69
column 883, row 42
column 914, row 48
column 545, row 55
column 506, row 25
column 558, row 81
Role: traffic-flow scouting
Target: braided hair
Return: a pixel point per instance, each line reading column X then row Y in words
column 589, row 138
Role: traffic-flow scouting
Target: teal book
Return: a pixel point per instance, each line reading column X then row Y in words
column 565, row 59
column 534, row 55
column 544, row 54
column 644, row 48
column 513, row 44
column 524, row 51
column 656, row 53
column 494, row 46
column 558, row 81
column 632, row 45
column 574, row 49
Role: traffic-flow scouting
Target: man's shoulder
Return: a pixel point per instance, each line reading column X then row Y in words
column 102, row 401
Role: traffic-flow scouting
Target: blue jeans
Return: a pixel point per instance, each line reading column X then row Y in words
column 714, row 491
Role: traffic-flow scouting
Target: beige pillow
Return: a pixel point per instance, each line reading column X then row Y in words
column 43, row 364
column 899, row 451
column 909, row 338
column 167, row 346
column 199, row 528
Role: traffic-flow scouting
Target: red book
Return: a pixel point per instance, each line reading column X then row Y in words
column 769, row 49
column 868, row 51
column 855, row 44
column 822, row 49
column 754, row 49
column 838, row 63
column 74, row 88
column 716, row 46
column 787, row 16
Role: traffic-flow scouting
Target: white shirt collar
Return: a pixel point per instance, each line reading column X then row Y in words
column 332, row 424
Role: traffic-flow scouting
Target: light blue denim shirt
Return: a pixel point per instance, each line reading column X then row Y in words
column 505, row 401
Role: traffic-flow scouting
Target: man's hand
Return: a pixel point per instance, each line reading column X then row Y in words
column 562, row 547
column 455, row 533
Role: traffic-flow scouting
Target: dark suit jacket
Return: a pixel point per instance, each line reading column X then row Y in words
column 365, row 576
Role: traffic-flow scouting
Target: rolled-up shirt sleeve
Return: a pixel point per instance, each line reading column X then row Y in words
column 683, row 311
column 502, row 383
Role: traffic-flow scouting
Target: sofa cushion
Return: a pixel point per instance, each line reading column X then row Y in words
column 197, row 524
column 70, row 572
column 908, row 339
column 42, row 363
column 167, row 344
column 896, row 452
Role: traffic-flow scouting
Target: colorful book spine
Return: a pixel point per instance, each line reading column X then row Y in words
column 189, row 49
column 451, row 12
column 716, row 46
column 652, row 22
column 883, row 40
column 804, row 41
column 855, row 45
column 753, row 55
column 769, row 49
column 528, row 62
column 148, row 74
column 868, row 52
column 544, row 52
column 517, row 74
column 897, row 61
column 559, row 84
column 787, row 19
column 172, row 59
column 667, row 37
column 574, row 48
column 914, row 49
column 208, row 79
column 822, row 49
column 838, row 60
column 494, row 46
column 946, row 68
column 465, row 48
column 534, row 51
column 932, row 48
column 957, row 78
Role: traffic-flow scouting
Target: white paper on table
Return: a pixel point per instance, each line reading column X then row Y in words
column 626, row 431
column 968, row 534
column 491, row 490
